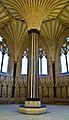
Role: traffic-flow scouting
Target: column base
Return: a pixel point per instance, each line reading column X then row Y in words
column 32, row 107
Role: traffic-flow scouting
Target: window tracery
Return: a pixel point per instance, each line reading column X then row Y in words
column 64, row 57
column 4, row 56
column 43, row 67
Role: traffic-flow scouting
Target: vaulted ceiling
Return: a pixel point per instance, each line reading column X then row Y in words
column 51, row 17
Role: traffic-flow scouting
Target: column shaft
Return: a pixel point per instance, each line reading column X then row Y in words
column 54, row 79
column 14, row 76
column 33, row 65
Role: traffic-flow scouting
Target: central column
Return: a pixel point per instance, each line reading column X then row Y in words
column 32, row 102
column 32, row 82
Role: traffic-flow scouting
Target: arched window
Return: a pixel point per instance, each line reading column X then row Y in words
column 5, row 63
column 64, row 57
column 0, row 59
column 4, row 56
column 43, row 67
column 24, row 63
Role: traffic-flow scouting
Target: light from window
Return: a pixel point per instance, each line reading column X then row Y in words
column 44, row 66
column 5, row 63
column 63, row 63
column 39, row 67
column 67, row 39
column 0, row 59
column 1, row 39
column 24, row 66
column 68, row 59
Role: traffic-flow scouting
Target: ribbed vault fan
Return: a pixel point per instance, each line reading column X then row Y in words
column 35, row 11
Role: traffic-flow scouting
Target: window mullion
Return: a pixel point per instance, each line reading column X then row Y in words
column 66, row 62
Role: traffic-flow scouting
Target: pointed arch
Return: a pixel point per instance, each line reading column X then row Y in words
column 4, row 56
column 43, row 64
column 64, row 56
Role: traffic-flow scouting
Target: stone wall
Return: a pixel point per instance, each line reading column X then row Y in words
column 46, row 89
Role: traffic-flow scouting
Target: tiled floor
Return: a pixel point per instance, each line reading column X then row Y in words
column 54, row 112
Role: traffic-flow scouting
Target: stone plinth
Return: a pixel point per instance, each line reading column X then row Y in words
column 32, row 103
column 32, row 107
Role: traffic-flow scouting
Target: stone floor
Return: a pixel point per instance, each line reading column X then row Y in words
column 54, row 112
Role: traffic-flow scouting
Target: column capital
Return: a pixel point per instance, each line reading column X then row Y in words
column 33, row 31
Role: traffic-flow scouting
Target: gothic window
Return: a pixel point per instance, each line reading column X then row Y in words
column 43, row 67
column 43, row 70
column 64, row 57
column 24, row 63
column 0, row 59
column 4, row 56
